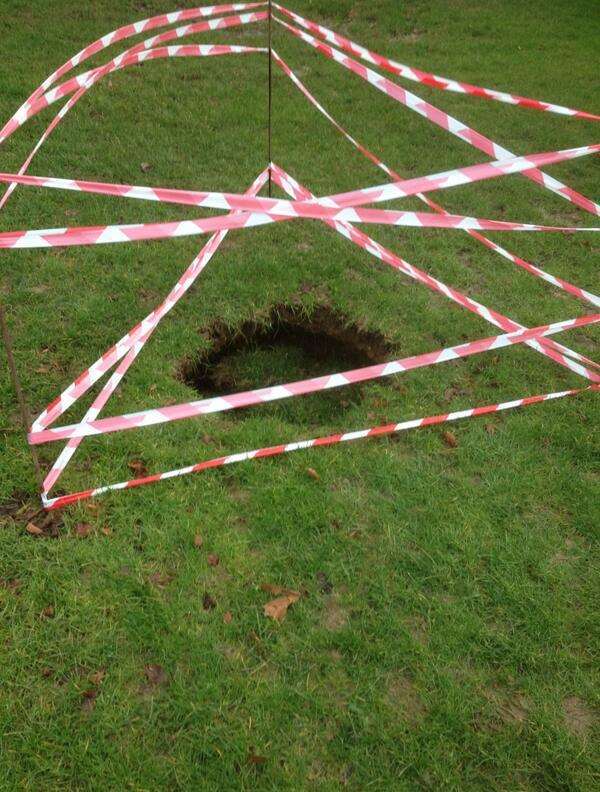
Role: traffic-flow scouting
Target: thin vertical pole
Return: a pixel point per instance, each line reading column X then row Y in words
column 25, row 415
column 270, row 93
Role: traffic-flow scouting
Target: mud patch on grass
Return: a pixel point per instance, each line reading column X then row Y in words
column 284, row 345
column 578, row 716
column 334, row 617
column 404, row 697
column 21, row 510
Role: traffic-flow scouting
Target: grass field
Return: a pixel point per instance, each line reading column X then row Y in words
column 447, row 635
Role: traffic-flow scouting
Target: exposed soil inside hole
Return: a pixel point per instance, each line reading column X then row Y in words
column 288, row 345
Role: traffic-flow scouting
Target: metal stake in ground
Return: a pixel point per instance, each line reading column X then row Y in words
column 25, row 415
column 270, row 56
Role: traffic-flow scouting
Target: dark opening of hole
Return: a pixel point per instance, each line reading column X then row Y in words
column 289, row 345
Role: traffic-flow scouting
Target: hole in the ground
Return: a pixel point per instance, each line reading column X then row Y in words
column 289, row 345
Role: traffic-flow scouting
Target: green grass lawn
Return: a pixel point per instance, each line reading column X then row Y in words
column 447, row 633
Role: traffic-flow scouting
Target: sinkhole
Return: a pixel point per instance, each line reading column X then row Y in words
column 289, row 344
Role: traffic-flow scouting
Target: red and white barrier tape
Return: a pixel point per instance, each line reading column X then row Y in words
column 359, row 238
column 122, row 60
column 441, row 119
column 426, row 78
column 135, row 347
column 127, row 31
column 111, row 234
column 284, row 180
column 90, row 426
column 319, row 209
column 560, row 283
column 278, row 392
column 337, row 211
column 270, row 451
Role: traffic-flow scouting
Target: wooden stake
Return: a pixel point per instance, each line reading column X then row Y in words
column 24, row 410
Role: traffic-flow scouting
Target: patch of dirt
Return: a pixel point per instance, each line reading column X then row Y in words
column 578, row 716
column 334, row 617
column 410, row 37
column 515, row 709
column 404, row 697
column 20, row 510
column 11, row 506
column 564, row 556
column 285, row 344
column 511, row 707
column 418, row 628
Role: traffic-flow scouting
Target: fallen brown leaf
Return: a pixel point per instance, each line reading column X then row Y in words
column 32, row 529
column 227, row 617
column 48, row 612
column 213, row 559
column 450, row 439
column 106, row 530
column 137, row 466
column 278, row 608
column 490, row 428
column 46, row 672
column 313, row 474
column 198, row 540
column 208, row 603
column 255, row 759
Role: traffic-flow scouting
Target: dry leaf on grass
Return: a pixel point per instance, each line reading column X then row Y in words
column 33, row 529
column 227, row 617
column 450, row 439
column 313, row 474
column 138, row 467
column 213, row 559
column 48, row 612
column 277, row 609
column 198, row 540
column 208, row 603
column 255, row 759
